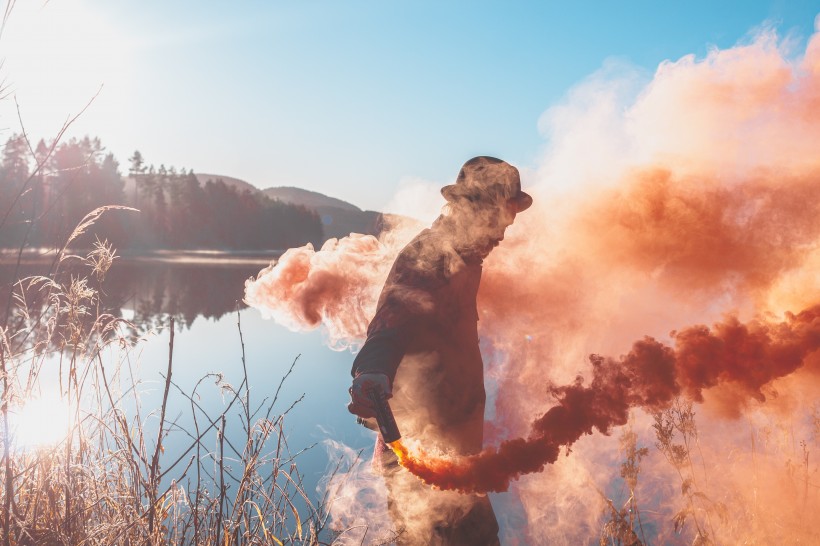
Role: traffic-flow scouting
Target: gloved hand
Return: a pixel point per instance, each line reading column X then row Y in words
column 360, row 402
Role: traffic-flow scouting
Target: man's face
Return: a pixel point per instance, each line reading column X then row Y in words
column 492, row 220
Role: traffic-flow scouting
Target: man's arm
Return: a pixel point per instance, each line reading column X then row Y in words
column 381, row 353
column 406, row 295
column 375, row 368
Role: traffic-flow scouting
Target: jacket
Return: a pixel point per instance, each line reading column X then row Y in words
column 424, row 337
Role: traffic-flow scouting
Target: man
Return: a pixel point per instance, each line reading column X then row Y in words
column 422, row 351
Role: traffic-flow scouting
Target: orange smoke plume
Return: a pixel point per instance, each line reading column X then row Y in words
column 336, row 286
column 687, row 197
column 649, row 377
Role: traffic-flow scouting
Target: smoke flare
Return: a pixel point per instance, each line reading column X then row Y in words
column 650, row 376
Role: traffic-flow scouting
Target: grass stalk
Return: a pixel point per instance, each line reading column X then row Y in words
column 100, row 484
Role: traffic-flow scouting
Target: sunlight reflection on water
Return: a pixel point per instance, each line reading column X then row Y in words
column 39, row 423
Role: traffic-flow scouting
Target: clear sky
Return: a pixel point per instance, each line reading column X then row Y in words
column 346, row 98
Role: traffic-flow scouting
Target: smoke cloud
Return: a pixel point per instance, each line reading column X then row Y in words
column 336, row 287
column 650, row 376
column 664, row 203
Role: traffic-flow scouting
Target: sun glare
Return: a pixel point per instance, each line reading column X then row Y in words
column 40, row 423
column 56, row 57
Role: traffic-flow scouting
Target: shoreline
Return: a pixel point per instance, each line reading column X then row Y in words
column 40, row 256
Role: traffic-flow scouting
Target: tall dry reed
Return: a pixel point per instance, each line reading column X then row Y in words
column 111, row 478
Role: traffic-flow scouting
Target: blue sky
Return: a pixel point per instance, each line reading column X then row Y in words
column 345, row 98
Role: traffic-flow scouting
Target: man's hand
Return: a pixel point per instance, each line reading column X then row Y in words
column 360, row 402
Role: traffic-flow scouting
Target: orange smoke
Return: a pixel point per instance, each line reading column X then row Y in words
column 746, row 355
column 336, row 286
column 695, row 200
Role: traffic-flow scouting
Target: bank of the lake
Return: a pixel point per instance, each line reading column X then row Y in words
column 202, row 291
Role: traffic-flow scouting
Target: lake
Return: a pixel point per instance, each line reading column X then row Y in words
column 203, row 293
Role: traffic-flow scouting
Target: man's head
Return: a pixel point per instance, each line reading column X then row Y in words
column 487, row 193
column 490, row 181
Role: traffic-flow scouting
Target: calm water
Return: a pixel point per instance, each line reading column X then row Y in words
column 204, row 297
column 212, row 345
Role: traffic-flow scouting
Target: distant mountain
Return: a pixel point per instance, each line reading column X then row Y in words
column 339, row 218
column 240, row 185
column 307, row 198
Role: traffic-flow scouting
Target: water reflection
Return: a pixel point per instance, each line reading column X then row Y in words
column 209, row 354
column 185, row 291
column 146, row 291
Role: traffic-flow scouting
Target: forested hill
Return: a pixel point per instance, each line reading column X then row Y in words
column 339, row 218
column 307, row 198
column 239, row 185
column 178, row 209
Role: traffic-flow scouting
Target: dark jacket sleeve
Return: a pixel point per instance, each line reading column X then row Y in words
column 382, row 353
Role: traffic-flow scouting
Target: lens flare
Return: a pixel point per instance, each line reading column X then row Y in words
column 39, row 423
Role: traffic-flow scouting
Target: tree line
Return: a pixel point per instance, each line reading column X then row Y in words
column 47, row 189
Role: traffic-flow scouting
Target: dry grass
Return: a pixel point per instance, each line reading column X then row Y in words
column 111, row 478
column 766, row 501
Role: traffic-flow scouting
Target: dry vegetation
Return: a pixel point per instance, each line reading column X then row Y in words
column 706, row 512
column 110, row 479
